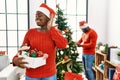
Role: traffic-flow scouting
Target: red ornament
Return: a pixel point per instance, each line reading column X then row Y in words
column 65, row 30
column 66, row 57
column 57, row 6
column 39, row 53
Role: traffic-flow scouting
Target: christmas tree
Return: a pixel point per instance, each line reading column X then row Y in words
column 66, row 59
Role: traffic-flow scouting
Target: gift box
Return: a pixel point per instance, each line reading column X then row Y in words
column 34, row 57
column 34, row 62
column 116, row 75
column 72, row 76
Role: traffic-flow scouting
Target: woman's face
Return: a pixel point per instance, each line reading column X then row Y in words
column 41, row 19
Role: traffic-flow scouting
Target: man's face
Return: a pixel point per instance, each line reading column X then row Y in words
column 85, row 29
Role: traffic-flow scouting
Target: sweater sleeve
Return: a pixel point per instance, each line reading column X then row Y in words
column 58, row 38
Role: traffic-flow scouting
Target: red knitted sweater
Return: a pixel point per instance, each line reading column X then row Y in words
column 47, row 42
column 89, row 40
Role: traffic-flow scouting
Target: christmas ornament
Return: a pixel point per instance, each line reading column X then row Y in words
column 66, row 58
column 33, row 55
column 39, row 53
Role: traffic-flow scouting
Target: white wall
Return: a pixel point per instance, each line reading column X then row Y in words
column 97, row 18
column 114, row 23
column 104, row 17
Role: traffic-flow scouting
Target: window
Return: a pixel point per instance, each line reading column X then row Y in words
column 75, row 11
column 13, row 25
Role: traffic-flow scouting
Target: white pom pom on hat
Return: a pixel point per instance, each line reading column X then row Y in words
column 46, row 10
column 83, row 24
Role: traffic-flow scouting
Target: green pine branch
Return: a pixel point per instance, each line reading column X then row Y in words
column 66, row 59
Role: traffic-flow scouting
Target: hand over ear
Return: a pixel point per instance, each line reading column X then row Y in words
column 50, row 22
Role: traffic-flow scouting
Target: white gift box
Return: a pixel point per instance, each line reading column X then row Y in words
column 34, row 62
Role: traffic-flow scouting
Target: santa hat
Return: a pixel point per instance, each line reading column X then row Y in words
column 83, row 24
column 46, row 10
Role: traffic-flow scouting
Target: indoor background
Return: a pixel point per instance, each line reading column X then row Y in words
column 17, row 16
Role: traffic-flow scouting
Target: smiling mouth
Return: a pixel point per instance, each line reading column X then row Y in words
column 37, row 20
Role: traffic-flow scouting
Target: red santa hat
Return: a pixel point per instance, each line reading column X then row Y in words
column 46, row 10
column 83, row 24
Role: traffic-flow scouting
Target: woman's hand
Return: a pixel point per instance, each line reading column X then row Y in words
column 18, row 61
column 50, row 22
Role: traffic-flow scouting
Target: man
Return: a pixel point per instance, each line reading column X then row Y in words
column 88, row 43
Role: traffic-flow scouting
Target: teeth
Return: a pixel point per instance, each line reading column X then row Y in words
column 37, row 20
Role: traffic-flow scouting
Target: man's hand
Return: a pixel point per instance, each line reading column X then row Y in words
column 79, row 45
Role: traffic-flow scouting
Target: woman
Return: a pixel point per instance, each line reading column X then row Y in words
column 46, row 38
